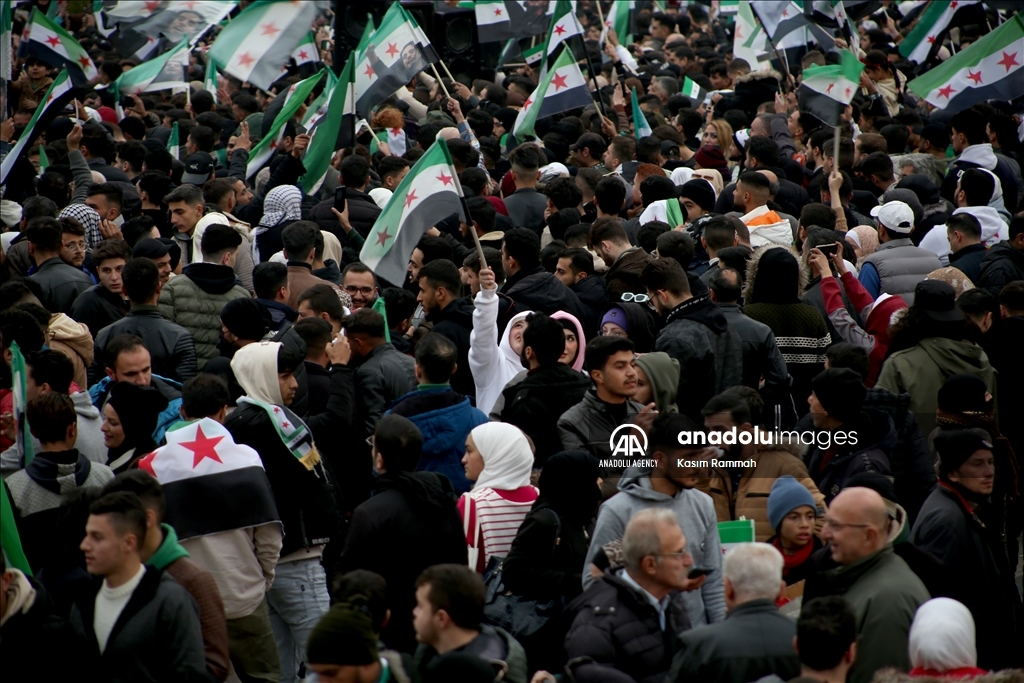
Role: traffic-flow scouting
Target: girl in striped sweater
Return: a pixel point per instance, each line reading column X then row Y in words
column 499, row 460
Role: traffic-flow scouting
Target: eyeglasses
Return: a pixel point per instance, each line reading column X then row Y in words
column 75, row 247
column 638, row 298
column 837, row 526
column 681, row 554
column 612, row 333
column 365, row 291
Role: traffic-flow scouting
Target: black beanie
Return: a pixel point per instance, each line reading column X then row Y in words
column 246, row 318
column 343, row 636
column 840, row 392
column 963, row 393
column 700, row 192
column 956, row 447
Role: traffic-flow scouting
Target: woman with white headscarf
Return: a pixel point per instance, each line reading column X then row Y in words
column 499, row 461
column 281, row 208
column 942, row 641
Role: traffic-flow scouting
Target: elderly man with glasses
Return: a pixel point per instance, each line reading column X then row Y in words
column 880, row 587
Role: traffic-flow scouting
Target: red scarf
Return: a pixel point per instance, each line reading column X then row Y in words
column 964, row 672
column 795, row 560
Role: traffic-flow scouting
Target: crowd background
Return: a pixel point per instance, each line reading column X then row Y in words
column 231, row 450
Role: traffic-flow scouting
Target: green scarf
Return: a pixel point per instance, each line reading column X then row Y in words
column 169, row 551
column 292, row 431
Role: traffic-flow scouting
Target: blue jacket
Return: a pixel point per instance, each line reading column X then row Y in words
column 445, row 418
column 168, row 387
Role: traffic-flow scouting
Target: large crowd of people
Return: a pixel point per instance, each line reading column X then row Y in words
column 232, row 451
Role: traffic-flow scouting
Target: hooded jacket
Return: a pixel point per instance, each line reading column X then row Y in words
column 455, row 321
column 445, row 418
column 541, row 292
column 280, row 314
column 305, row 497
column 831, row 467
column 533, row 404
column 409, row 524
column 89, row 442
column 874, row 336
column 982, row 156
column 993, row 231
column 697, row 517
column 662, row 372
column 767, row 227
column 98, row 307
column 710, row 354
column 1002, row 265
column 72, row 339
column 194, row 301
column 921, row 370
column 492, row 362
column 952, row 530
column 749, row 500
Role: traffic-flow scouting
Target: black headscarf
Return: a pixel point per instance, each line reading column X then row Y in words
column 568, row 485
column 777, row 280
column 138, row 409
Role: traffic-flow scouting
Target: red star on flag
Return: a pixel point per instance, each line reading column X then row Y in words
column 395, row 132
column 245, row 59
column 203, row 447
column 85, row 62
column 559, row 82
column 931, row 39
column 953, row 4
column 497, row 12
column 303, row 55
column 738, row 35
column 392, row 50
column 54, row 41
column 191, row 4
column 559, row 29
column 1008, row 61
column 276, row 410
column 410, row 198
column 828, row 90
column 847, row 92
column 273, row 144
column 527, row 103
column 285, row 424
column 976, row 77
column 270, row 29
column 383, row 237
column 369, row 71
column 446, row 179
column 152, row 5
column 945, row 92
column 785, row 12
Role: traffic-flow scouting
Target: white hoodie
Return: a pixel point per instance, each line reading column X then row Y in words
column 993, row 230
column 492, row 363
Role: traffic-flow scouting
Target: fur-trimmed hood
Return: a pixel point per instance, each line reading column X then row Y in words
column 754, row 262
column 759, row 76
column 897, row 676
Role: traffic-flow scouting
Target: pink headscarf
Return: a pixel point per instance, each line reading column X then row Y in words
column 581, row 352
column 867, row 239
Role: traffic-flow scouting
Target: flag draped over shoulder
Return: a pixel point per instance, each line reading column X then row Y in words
column 925, row 39
column 56, row 97
column 258, row 43
column 396, row 52
column 167, row 71
column 329, row 130
column 50, row 43
column 211, row 484
column 429, row 193
column 563, row 88
column 292, row 101
column 989, row 68
column 641, row 128
column 826, row 90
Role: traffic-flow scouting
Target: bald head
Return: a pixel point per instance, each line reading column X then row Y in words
column 857, row 524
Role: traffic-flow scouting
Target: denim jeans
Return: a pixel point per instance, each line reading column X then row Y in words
column 297, row 599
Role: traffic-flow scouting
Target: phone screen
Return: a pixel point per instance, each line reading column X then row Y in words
column 339, row 198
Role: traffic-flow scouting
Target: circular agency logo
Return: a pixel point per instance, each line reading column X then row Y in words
column 628, row 441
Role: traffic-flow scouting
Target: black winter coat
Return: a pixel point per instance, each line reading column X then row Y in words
column 981, row 577
column 98, row 307
column 541, row 292
column 305, row 498
column 1002, row 265
column 362, row 213
column 381, row 377
column 171, row 347
column 617, row 629
column 754, row 641
column 593, row 295
column 876, row 438
column 968, row 260
column 409, row 524
column 455, row 321
column 535, row 404
column 32, row 637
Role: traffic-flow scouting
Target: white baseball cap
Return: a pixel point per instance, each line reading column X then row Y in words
column 896, row 216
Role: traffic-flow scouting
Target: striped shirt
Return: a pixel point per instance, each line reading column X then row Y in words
column 501, row 513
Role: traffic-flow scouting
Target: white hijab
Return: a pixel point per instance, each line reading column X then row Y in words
column 942, row 636
column 255, row 368
column 508, row 460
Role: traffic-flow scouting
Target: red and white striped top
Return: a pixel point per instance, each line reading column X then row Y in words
column 501, row 513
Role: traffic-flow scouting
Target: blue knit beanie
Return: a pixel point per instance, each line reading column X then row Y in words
column 787, row 495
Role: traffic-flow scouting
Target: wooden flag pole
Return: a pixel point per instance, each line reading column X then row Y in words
column 445, row 67
column 600, row 15
column 835, row 153
column 438, row 77
column 472, row 231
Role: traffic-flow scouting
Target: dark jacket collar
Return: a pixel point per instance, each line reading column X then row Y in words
column 969, row 249
column 759, row 606
column 301, row 264
column 144, row 311
column 513, row 280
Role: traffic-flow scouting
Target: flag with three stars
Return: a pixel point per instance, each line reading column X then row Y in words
column 925, row 39
column 258, row 43
column 53, row 102
column 563, row 88
column 429, row 193
column 211, row 484
column 291, row 101
column 564, row 25
column 48, row 42
column 989, row 69
column 826, row 90
column 749, row 41
column 306, row 52
column 169, row 70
